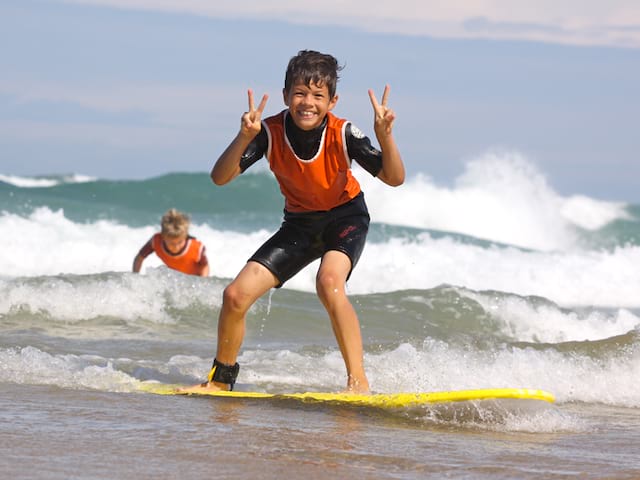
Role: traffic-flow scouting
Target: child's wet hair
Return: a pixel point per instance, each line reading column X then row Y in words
column 175, row 223
column 309, row 66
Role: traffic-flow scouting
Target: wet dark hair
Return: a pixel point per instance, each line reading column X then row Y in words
column 309, row 66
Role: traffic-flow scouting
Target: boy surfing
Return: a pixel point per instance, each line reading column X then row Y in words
column 310, row 151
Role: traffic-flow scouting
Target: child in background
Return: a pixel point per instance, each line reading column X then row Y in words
column 175, row 247
column 309, row 151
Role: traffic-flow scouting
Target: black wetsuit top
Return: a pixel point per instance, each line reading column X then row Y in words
column 306, row 143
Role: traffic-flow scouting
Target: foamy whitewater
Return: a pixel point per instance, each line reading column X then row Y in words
column 494, row 281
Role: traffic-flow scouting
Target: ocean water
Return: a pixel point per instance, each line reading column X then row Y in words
column 494, row 281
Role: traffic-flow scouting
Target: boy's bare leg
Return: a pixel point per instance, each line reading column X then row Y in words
column 330, row 284
column 251, row 283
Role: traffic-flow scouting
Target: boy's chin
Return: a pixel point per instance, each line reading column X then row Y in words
column 308, row 125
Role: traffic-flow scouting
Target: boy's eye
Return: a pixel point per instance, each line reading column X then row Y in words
column 301, row 94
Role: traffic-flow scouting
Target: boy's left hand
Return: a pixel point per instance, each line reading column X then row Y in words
column 383, row 116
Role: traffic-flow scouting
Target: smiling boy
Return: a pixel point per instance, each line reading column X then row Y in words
column 309, row 151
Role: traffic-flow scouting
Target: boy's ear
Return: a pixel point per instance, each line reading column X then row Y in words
column 285, row 97
column 332, row 102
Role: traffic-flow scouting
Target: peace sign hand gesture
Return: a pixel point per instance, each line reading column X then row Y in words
column 392, row 172
column 383, row 116
column 250, row 123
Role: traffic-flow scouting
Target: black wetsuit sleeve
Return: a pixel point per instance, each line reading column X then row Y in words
column 360, row 149
column 255, row 151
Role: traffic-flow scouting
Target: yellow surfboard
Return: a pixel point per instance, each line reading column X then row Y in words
column 378, row 400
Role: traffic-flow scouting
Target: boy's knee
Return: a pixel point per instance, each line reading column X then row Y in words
column 233, row 299
column 326, row 283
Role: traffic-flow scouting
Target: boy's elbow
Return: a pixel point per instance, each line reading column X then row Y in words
column 399, row 181
column 394, row 180
column 221, row 176
column 397, row 178
column 215, row 179
column 218, row 179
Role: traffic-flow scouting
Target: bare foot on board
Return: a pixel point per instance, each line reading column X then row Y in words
column 357, row 385
column 203, row 388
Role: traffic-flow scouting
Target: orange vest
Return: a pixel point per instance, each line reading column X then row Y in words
column 186, row 261
column 320, row 183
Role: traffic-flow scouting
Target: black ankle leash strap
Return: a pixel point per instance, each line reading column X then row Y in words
column 223, row 373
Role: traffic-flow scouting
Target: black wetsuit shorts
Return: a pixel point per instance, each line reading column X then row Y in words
column 305, row 237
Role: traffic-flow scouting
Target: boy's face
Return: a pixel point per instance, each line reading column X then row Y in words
column 174, row 244
column 308, row 104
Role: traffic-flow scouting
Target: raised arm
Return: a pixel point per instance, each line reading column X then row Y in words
column 392, row 172
column 227, row 167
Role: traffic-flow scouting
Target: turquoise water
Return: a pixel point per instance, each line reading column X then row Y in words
column 492, row 282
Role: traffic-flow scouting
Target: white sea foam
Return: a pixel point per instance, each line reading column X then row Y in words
column 32, row 182
column 434, row 366
column 48, row 243
column 500, row 197
column 30, row 365
column 605, row 278
column 525, row 321
column 126, row 297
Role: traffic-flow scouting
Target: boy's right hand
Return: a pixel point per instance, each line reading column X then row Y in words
column 250, row 123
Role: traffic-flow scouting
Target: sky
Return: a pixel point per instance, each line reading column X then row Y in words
column 139, row 88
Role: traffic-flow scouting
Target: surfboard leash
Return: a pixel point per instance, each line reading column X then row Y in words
column 223, row 373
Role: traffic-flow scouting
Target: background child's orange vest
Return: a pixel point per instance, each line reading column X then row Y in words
column 185, row 262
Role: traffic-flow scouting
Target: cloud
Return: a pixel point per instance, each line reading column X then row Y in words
column 575, row 22
column 184, row 106
column 121, row 116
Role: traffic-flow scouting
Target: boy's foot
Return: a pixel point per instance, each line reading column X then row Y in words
column 357, row 386
column 203, row 388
